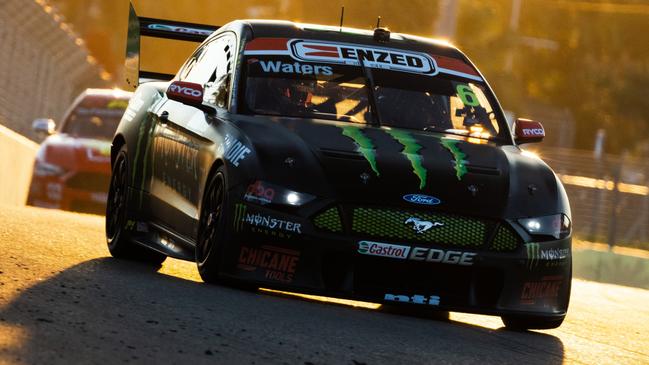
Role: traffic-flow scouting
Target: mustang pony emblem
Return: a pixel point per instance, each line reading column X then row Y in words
column 422, row 226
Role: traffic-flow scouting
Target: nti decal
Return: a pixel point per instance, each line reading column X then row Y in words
column 276, row 263
column 234, row 151
column 411, row 151
column 415, row 299
column 546, row 289
column 352, row 54
column 458, row 156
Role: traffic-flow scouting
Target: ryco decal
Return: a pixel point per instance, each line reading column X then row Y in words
column 276, row 263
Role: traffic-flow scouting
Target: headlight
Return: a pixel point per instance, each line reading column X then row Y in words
column 557, row 226
column 263, row 193
column 42, row 168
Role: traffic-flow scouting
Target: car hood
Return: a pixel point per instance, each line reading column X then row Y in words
column 368, row 165
column 74, row 153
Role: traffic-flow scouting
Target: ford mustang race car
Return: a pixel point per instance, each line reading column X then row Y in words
column 72, row 165
column 350, row 163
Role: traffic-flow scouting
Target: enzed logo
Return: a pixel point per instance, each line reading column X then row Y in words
column 421, row 226
column 533, row 254
column 374, row 57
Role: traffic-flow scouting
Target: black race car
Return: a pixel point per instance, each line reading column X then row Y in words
column 350, row 163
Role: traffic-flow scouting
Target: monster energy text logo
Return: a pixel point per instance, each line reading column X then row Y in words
column 533, row 254
column 460, row 162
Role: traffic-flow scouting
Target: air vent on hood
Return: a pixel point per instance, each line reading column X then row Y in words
column 341, row 154
column 483, row 170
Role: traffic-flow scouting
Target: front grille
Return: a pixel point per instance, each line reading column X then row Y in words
column 329, row 220
column 89, row 181
column 505, row 240
column 400, row 225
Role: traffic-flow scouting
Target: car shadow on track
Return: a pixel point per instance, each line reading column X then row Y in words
column 111, row 311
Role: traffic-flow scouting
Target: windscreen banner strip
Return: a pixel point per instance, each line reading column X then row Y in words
column 375, row 57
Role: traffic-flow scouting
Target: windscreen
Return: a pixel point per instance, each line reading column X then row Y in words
column 95, row 119
column 411, row 90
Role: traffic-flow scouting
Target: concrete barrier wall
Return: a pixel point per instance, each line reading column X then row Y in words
column 16, row 163
column 44, row 65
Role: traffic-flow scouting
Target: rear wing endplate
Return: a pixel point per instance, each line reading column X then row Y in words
column 157, row 28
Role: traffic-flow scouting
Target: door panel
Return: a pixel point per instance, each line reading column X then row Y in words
column 177, row 167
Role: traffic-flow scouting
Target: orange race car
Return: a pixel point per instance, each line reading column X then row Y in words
column 72, row 166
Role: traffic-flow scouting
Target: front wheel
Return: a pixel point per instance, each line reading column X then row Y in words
column 211, row 227
column 118, row 238
column 522, row 322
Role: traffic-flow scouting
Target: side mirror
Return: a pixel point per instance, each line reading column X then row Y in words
column 528, row 131
column 186, row 93
column 43, row 127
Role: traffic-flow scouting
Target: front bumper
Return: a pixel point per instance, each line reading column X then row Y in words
column 285, row 251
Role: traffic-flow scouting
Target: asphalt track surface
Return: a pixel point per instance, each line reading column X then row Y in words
column 64, row 300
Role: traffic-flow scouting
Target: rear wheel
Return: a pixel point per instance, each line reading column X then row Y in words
column 117, row 235
column 522, row 322
column 211, row 229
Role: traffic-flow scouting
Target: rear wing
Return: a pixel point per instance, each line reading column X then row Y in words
column 157, row 28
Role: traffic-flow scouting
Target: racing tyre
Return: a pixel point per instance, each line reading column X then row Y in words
column 521, row 323
column 211, row 227
column 119, row 242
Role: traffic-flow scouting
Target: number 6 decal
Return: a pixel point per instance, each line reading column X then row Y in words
column 467, row 96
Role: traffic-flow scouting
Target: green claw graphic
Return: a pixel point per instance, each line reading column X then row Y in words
column 365, row 145
column 411, row 149
column 460, row 162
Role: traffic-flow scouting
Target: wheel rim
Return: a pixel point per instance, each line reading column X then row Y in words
column 116, row 204
column 211, row 218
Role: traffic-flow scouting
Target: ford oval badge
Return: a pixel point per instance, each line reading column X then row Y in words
column 421, row 199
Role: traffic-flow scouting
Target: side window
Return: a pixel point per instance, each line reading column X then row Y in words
column 190, row 63
column 218, row 85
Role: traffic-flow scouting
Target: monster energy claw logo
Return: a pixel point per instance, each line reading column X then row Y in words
column 458, row 155
column 365, row 145
column 533, row 254
column 239, row 214
column 411, row 151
